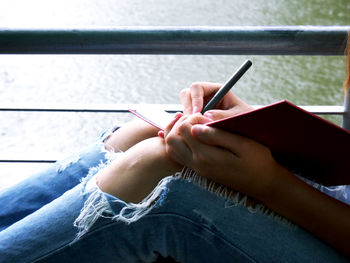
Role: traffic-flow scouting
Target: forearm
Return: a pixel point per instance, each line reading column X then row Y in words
column 323, row 216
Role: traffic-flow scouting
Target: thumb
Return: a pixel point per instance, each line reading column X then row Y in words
column 217, row 137
column 217, row 114
column 209, row 135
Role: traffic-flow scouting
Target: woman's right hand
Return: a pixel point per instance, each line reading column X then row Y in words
column 198, row 94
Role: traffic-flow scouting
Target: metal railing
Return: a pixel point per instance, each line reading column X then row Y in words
column 287, row 40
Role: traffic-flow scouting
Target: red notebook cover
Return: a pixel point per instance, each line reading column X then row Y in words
column 303, row 142
column 306, row 144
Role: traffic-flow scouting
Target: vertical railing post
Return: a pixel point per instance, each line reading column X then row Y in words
column 346, row 116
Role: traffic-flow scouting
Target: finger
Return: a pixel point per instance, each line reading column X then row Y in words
column 232, row 101
column 185, row 133
column 179, row 119
column 185, row 98
column 184, row 128
column 217, row 137
column 202, row 157
column 217, row 114
column 171, row 124
column 222, row 114
column 176, row 148
column 192, row 119
column 209, row 88
column 197, row 94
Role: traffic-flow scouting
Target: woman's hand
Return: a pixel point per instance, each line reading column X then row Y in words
column 194, row 98
column 230, row 159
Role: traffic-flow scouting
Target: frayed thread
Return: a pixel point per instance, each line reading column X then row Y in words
column 94, row 208
column 97, row 206
column 132, row 212
column 63, row 164
column 233, row 198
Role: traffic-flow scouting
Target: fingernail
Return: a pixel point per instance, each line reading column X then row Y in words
column 161, row 134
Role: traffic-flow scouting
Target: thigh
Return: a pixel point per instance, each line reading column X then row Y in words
column 189, row 224
column 44, row 230
column 31, row 194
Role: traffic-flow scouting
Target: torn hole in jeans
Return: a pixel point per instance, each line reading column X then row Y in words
column 97, row 205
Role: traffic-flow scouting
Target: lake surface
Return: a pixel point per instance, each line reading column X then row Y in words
column 67, row 79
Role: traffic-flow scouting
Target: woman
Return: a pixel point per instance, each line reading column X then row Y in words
column 130, row 209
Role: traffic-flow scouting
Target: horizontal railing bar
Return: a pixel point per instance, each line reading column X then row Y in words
column 324, row 110
column 123, row 108
column 246, row 40
column 93, row 108
column 27, row 161
column 29, row 158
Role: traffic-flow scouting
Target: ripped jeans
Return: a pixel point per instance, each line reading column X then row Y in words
column 60, row 215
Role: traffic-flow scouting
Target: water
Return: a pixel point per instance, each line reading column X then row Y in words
column 147, row 79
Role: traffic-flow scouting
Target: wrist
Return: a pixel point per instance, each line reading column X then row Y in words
column 277, row 183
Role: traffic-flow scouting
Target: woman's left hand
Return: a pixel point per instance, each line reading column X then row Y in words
column 248, row 167
column 230, row 159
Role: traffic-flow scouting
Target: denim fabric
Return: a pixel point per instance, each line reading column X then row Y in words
column 38, row 190
column 185, row 222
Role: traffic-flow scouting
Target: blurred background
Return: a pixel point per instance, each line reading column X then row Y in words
column 61, row 79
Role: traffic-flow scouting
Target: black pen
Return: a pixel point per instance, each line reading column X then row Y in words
column 227, row 86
